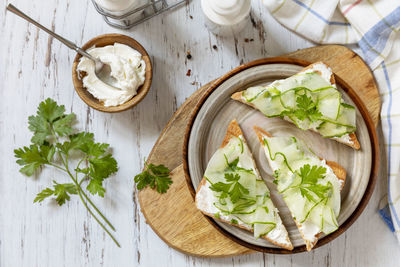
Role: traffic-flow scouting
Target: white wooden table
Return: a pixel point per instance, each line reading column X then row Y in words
column 34, row 66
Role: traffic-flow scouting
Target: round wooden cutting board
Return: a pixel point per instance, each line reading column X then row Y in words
column 174, row 217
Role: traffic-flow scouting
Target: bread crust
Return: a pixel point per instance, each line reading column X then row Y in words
column 337, row 169
column 235, row 131
column 354, row 143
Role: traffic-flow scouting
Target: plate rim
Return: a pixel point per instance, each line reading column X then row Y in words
column 374, row 150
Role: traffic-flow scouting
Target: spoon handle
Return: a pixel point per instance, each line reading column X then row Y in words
column 13, row 9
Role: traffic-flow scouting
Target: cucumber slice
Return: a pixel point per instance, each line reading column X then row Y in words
column 248, row 180
column 329, row 105
column 258, row 215
column 283, row 151
column 295, row 203
column 296, row 165
column 273, row 90
column 243, row 206
column 262, row 192
column 347, row 115
column 286, row 178
column 345, row 123
column 302, row 124
column 261, row 229
column 287, row 84
column 328, row 129
column 288, row 99
column 292, row 154
column 251, row 93
column 313, row 81
column 263, row 221
column 269, row 106
column 218, row 164
column 315, row 215
column 329, row 224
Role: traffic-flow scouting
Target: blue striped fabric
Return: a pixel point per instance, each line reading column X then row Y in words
column 374, row 41
column 389, row 139
column 375, row 26
column 320, row 16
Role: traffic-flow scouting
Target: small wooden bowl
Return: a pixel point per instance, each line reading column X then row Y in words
column 104, row 40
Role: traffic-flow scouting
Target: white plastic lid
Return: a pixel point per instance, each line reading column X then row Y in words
column 116, row 5
column 226, row 12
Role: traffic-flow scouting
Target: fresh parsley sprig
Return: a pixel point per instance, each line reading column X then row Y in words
column 308, row 186
column 155, row 176
column 55, row 144
column 309, row 178
column 233, row 188
column 306, row 108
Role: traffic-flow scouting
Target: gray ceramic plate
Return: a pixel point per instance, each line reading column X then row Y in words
column 210, row 124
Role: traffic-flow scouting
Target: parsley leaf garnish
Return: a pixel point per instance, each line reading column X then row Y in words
column 55, row 144
column 306, row 108
column 62, row 192
column 155, row 176
column 310, row 175
column 233, row 188
column 237, row 192
column 243, row 204
column 309, row 188
column 230, row 177
column 233, row 166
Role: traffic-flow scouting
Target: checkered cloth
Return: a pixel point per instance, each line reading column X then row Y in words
column 374, row 25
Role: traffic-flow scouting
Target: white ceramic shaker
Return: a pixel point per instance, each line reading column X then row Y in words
column 226, row 17
column 121, row 7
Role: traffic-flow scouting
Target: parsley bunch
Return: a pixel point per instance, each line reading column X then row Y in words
column 55, row 143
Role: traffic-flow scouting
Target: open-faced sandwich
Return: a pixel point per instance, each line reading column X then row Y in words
column 308, row 99
column 232, row 191
column 309, row 185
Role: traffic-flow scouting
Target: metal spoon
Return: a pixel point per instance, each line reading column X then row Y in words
column 102, row 69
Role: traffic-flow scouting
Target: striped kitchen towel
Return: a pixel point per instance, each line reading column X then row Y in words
column 374, row 25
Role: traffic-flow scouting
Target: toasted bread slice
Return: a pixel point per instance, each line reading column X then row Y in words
column 338, row 170
column 352, row 140
column 278, row 236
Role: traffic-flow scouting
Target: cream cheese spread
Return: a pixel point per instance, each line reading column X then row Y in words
column 323, row 69
column 127, row 71
column 345, row 139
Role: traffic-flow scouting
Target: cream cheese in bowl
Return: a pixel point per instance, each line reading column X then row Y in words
column 127, row 72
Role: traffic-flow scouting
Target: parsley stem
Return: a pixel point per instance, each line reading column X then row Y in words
column 98, row 221
column 56, row 166
column 77, row 167
column 80, row 191
column 78, row 185
column 96, row 209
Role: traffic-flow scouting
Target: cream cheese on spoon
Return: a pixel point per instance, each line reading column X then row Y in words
column 127, row 73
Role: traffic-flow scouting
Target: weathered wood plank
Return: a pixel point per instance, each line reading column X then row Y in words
column 46, row 235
